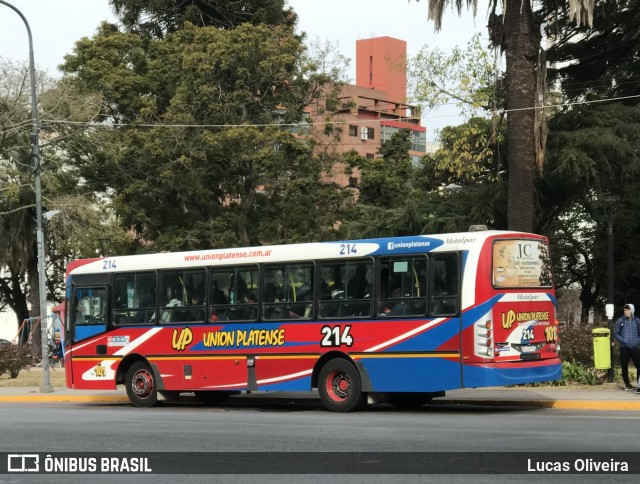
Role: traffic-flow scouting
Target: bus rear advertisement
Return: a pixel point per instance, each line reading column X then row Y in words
column 399, row 319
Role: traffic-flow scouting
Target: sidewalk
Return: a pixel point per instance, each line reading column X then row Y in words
column 607, row 397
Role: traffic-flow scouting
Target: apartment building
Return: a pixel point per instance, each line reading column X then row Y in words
column 370, row 111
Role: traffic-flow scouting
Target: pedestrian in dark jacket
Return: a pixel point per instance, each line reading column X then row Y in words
column 627, row 333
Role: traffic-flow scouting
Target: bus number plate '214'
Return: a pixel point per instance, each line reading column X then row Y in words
column 334, row 336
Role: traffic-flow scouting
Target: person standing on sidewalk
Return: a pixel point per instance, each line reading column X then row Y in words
column 627, row 333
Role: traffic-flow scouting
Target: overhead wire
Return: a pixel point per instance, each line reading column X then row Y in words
column 106, row 125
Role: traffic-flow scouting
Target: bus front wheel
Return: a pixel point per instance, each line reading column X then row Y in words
column 141, row 385
column 340, row 386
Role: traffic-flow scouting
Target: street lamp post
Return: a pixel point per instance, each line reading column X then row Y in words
column 46, row 382
column 610, row 201
column 610, row 311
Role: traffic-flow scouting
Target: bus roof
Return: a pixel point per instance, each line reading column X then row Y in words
column 345, row 249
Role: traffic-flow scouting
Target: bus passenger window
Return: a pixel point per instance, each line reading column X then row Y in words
column 402, row 287
column 359, row 285
column 288, row 291
column 444, row 285
column 351, row 301
column 234, row 294
column 134, row 298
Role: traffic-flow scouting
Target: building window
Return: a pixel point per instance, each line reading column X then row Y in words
column 353, row 182
column 370, row 156
column 353, row 130
column 370, row 132
column 419, row 141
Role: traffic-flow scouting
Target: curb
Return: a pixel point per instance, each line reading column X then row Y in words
column 599, row 405
column 63, row 398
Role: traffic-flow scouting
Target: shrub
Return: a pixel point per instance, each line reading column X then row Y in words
column 576, row 343
column 575, row 372
column 14, row 358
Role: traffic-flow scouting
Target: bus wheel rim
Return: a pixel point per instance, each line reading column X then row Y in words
column 142, row 383
column 339, row 386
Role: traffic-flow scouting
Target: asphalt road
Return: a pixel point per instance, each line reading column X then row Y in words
column 176, row 429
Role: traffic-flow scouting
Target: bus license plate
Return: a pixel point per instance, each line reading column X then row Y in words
column 527, row 348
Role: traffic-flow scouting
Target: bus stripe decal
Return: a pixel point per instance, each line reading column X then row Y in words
column 407, row 335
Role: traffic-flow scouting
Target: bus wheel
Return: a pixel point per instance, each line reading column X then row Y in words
column 141, row 385
column 340, row 386
column 213, row 398
column 409, row 400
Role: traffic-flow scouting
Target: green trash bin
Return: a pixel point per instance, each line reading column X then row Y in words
column 601, row 348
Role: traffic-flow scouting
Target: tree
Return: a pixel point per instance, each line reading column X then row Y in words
column 161, row 17
column 467, row 76
column 466, row 177
column 517, row 32
column 595, row 62
column 592, row 160
column 18, row 256
column 592, row 155
column 58, row 103
column 444, row 193
column 211, row 110
column 380, row 210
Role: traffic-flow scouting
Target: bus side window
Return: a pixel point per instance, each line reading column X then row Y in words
column 353, row 300
column 402, row 286
column 444, row 297
column 134, row 298
column 288, row 291
column 233, row 293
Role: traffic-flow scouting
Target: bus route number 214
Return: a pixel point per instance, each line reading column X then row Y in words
column 334, row 336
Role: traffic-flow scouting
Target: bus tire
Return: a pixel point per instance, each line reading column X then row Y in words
column 212, row 397
column 340, row 386
column 141, row 385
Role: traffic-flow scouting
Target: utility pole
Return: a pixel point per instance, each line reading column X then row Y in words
column 610, row 312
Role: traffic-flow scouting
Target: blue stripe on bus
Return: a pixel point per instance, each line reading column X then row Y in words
column 412, row 374
column 432, row 375
column 301, row 384
column 518, row 373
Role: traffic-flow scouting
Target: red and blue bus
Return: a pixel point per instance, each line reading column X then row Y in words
column 398, row 319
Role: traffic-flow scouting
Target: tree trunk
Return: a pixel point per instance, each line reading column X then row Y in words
column 589, row 293
column 246, row 206
column 522, row 44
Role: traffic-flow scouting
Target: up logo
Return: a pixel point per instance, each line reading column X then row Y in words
column 508, row 319
column 181, row 339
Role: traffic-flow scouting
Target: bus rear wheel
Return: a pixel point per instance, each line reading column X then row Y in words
column 141, row 385
column 340, row 386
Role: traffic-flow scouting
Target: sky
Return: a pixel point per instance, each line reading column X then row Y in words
column 57, row 24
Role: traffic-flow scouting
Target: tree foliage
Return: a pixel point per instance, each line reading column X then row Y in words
column 593, row 62
column 592, row 156
column 79, row 211
column 199, row 121
column 516, row 31
column 465, row 76
column 161, row 17
column 443, row 193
